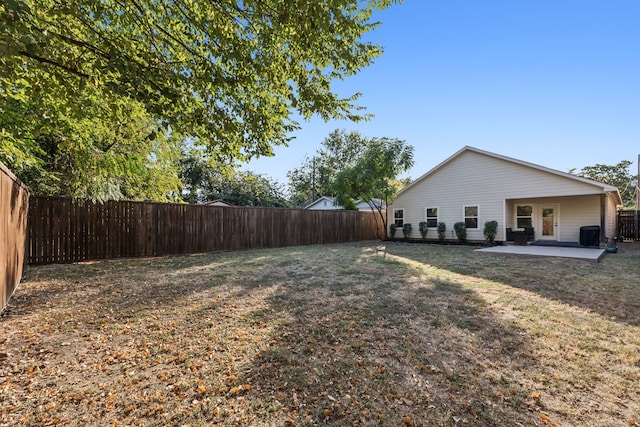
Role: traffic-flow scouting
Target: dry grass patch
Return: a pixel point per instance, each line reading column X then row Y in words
column 333, row 335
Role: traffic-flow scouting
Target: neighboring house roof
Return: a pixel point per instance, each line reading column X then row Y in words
column 218, row 202
column 324, row 202
column 605, row 188
column 377, row 203
column 329, row 203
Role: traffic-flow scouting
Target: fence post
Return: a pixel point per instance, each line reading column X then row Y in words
column 158, row 231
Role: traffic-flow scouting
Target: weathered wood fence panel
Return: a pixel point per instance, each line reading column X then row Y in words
column 14, row 205
column 629, row 224
column 63, row 230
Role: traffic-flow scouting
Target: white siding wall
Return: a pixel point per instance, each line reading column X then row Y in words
column 611, row 219
column 487, row 182
column 324, row 205
column 576, row 212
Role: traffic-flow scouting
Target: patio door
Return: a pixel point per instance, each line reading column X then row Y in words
column 547, row 222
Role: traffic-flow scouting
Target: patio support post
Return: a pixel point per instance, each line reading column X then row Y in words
column 603, row 217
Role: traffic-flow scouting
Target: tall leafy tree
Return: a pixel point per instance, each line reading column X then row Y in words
column 228, row 74
column 617, row 175
column 315, row 177
column 374, row 175
column 205, row 181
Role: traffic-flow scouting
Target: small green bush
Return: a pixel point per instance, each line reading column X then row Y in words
column 442, row 231
column 406, row 230
column 392, row 230
column 423, row 229
column 461, row 231
column 490, row 231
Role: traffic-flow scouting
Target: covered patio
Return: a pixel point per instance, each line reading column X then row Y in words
column 560, row 219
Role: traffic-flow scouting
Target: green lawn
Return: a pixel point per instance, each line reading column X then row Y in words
column 326, row 335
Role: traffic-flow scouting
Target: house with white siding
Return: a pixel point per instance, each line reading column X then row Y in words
column 324, row 203
column 329, row 203
column 475, row 186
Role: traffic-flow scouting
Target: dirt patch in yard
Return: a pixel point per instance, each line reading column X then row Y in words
column 325, row 335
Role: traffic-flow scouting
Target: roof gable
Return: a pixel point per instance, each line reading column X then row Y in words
column 601, row 187
column 329, row 199
column 218, row 202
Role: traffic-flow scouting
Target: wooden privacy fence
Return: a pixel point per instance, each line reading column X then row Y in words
column 14, row 204
column 64, row 230
column 628, row 225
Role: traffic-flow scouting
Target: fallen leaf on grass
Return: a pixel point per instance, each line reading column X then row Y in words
column 408, row 421
column 545, row 419
column 240, row 388
column 535, row 395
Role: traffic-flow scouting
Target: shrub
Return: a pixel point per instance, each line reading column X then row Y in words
column 423, row 229
column 461, row 231
column 392, row 230
column 490, row 231
column 406, row 230
column 442, row 230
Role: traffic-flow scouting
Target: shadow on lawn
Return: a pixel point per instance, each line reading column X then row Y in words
column 609, row 287
column 389, row 351
column 338, row 337
column 119, row 284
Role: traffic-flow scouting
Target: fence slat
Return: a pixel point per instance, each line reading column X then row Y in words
column 629, row 225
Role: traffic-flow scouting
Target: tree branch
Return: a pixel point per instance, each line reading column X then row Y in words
column 70, row 40
column 54, row 63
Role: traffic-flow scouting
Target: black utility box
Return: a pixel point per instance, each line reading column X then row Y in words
column 590, row 235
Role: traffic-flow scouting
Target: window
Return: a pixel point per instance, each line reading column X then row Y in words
column 524, row 216
column 398, row 217
column 431, row 217
column 471, row 216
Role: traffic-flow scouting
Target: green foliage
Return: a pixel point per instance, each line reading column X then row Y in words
column 315, row 177
column 423, row 229
column 490, row 230
column 616, row 175
column 406, row 230
column 228, row 74
column 109, row 149
column 392, row 230
column 442, row 230
column 204, row 181
column 461, row 231
column 374, row 173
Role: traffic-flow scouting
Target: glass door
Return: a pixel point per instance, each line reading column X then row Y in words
column 548, row 223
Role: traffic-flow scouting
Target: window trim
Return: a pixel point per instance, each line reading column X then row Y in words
column 465, row 216
column 426, row 218
column 394, row 217
column 524, row 216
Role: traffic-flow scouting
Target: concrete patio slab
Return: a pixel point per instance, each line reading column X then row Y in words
column 593, row 254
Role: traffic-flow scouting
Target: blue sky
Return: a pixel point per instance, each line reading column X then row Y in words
column 556, row 83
